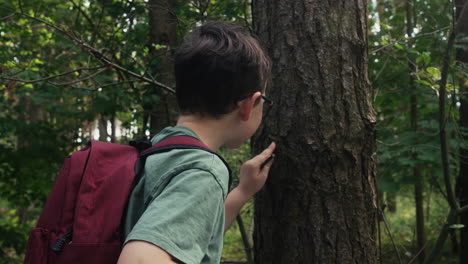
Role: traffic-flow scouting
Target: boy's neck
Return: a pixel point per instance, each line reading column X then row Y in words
column 210, row 131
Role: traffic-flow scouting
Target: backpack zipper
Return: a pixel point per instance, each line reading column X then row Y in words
column 60, row 242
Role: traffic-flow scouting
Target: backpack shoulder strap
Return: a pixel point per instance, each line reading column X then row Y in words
column 178, row 142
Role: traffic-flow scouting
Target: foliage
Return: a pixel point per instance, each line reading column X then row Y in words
column 395, row 59
column 233, row 244
column 401, row 148
column 404, row 232
column 46, row 119
column 70, row 91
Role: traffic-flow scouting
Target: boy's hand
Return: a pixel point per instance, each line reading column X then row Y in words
column 253, row 175
column 254, row 172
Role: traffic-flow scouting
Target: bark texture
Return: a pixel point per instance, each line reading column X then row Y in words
column 162, row 38
column 319, row 203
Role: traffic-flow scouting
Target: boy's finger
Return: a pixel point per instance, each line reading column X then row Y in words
column 266, row 153
column 267, row 163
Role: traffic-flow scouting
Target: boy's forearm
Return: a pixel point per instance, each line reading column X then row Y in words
column 143, row 252
column 234, row 202
column 253, row 175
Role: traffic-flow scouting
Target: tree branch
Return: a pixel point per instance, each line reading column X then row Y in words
column 390, row 235
column 463, row 210
column 117, row 83
column 408, row 38
column 247, row 246
column 90, row 21
column 462, row 19
column 454, row 207
column 80, row 80
column 99, row 55
column 50, row 77
column 451, row 218
column 442, row 123
column 7, row 17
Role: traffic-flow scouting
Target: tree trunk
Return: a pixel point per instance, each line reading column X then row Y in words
column 391, row 202
column 462, row 180
column 418, row 186
column 113, row 123
column 420, row 230
column 319, row 203
column 102, row 127
column 162, row 38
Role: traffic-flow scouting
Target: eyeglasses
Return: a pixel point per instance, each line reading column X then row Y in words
column 267, row 106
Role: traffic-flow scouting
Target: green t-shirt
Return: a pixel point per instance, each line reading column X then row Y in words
column 178, row 204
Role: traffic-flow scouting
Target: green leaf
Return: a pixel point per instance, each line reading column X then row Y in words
column 424, row 82
column 385, row 26
column 434, row 72
column 457, row 226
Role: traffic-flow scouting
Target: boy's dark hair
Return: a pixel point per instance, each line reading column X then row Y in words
column 217, row 64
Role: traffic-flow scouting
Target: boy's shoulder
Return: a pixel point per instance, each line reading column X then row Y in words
column 163, row 166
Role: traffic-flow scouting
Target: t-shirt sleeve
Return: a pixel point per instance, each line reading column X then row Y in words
column 182, row 218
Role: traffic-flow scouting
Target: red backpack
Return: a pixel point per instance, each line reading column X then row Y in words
column 81, row 220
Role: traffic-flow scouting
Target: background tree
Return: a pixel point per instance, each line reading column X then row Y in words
column 418, row 186
column 319, row 204
column 76, row 70
column 462, row 180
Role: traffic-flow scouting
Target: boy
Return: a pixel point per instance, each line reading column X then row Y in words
column 180, row 208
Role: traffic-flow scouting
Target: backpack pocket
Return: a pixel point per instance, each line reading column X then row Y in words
column 38, row 246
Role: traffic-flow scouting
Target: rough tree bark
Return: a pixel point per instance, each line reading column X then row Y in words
column 102, row 126
column 462, row 180
column 319, row 203
column 162, row 38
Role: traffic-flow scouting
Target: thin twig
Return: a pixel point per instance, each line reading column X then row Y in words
column 390, row 235
column 418, row 253
column 380, row 71
column 454, row 206
column 7, row 17
column 408, row 38
column 442, row 125
column 117, row 83
column 462, row 210
column 451, row 219
column 247, row 246
column 90, row 21
column 80, row 80
column 99, row 55
column 50, row 77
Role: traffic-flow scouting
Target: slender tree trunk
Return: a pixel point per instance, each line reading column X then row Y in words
column 391, row 202
column 420, row 230
column 462, row 180
column 455, row 210
column 418, row 187
column 319, row 203
column 162, row 38
column 102, row 127
column 144, row 127
column 113, row 123
column 245, row 239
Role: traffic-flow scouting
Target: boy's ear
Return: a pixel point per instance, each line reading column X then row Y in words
column 246, row 106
